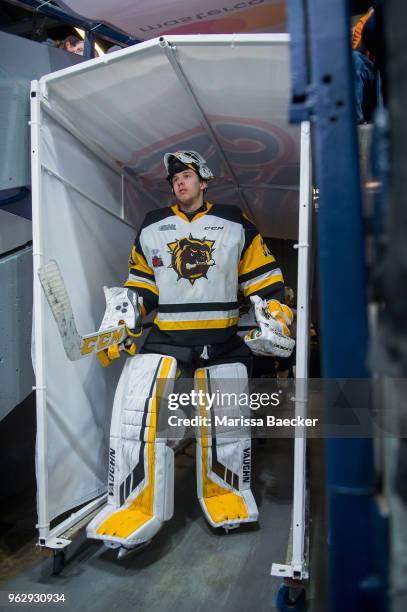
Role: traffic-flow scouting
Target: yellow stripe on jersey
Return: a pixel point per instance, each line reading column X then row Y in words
column 141, row 285
column 204, row 324
column 266, row 282
column 177, row 211
column 138, row 262
column 256, row 255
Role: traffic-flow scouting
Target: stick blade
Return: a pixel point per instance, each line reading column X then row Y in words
column 55, row 291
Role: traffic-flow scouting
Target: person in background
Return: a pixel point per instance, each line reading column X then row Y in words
column 373, row 42
column 365, row 74
column 73, row 44
column 368, row 54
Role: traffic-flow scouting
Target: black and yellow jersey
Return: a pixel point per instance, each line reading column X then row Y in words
column 191, row 268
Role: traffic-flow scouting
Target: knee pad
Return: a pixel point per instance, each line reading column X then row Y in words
column 141, row 468
column 224, row 460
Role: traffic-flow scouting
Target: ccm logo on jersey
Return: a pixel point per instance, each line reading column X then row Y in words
column 213, row 228
column 246, row 464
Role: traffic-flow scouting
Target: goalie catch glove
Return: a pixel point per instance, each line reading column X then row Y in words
column 122, row 307
column 273, row 335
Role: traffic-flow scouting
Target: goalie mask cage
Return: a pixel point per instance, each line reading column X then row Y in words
column 99, row 132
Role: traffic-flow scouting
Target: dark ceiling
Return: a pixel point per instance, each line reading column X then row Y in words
column 16, row 18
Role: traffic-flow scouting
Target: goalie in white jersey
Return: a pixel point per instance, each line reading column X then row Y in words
column 188, row 262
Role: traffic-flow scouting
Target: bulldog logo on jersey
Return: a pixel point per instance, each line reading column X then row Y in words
column 191, row 257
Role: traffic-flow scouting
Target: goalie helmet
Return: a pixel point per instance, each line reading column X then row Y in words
column 181, row 160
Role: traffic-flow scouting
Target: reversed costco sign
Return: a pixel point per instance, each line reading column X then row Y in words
column 151, row 18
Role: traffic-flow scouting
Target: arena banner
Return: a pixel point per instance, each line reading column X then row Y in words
column 147, row 19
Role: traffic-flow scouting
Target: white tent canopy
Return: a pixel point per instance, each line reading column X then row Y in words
column 226, row 99
column 99, row 133
column 146, row 19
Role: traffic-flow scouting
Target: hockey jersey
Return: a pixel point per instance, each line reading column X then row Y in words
column 191, row 268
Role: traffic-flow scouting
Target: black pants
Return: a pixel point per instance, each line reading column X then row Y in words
column 189, row 358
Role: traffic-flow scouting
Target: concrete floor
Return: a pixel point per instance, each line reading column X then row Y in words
column 189, row 566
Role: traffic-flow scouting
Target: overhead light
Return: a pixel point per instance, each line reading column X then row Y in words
column 373, row 184
column 98, row 48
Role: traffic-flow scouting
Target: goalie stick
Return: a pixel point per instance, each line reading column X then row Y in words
column 75, row 345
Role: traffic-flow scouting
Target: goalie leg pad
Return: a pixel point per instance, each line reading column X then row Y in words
column 141, row 468
column 223, row 459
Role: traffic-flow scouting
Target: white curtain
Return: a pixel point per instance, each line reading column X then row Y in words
column 92, row 249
